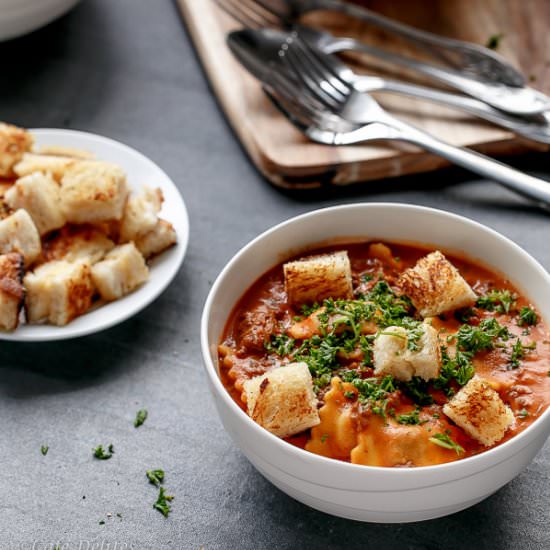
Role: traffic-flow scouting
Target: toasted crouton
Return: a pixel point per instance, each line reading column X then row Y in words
column 435, row 286
column 93, row 192
column 121, row 272
column 11, row 290
column 19, row 234
column 480, row 412
column 283, row 400
column 162, row 236
column 58, row 292
column 318, row 277
column 77, row 243
column 14, row 142
column 140, row 214
column 392, row 354
column 39, row 195
column 55, row 166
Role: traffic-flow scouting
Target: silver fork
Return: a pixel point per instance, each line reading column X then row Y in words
column 524, row 101
column 477, row 60
column 257, row 47
column 309, row 113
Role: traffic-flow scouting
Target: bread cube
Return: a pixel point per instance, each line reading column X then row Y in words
column 12, row 292
column 435, row 286
column 163, row 236
column 121, row 271
column 14, row 142
column 316, row 278
column 19, row 234
column 392, row 356
column 58, row 291
column 140, row 214
column 40, row 196
column 77, row 243
column 478, row 409
column 93, row 192
column 53, row 165
column 283, row 400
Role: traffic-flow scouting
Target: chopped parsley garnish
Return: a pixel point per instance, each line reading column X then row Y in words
column 445, row 441
column 417, row 390
column 527, row 316
column 162, row 503
column 493, row 42
column 524, row 413
column 141, row 417
column 101, row 522
column 460, row 369
column 44, row 449
column 281, row 344
column 324, row 437
column 101, row 454
column 156, row 477
column 518, row 352
column 307, row 310
column 412, row 418
column 500, row 301
column 482, row 337
column 367, row 277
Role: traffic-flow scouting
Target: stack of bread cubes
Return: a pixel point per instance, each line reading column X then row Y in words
column 70, row 231
column 283, row 400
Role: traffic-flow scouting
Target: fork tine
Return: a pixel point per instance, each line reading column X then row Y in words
column 302, row 102
column 312, row 78
column 249, row 13
column 320, row 66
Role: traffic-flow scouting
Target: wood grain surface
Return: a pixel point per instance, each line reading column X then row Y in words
column 288, row 159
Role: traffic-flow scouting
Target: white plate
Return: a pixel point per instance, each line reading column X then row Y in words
column 140, row 171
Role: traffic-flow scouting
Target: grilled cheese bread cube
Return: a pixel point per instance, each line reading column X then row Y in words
column 12, row 292
column 435, row 286
column 77, row 243
column 58, row 292
column 121, row 271
column 93, row 192
column 40, row 196
column 283, row 400
column 53, row 165
column 19, row 234
column 478, row 409
column 316, row 278
column 162, row 236
column 140, row 214
column 14, row 142
column 392, row 356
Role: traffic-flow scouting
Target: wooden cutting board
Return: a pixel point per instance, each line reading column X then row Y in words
column 289, row 160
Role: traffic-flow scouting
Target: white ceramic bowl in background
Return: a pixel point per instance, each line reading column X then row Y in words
column 364, row 492
column 19, row 17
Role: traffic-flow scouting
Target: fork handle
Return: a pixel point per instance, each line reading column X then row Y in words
column 532, row 188
column 477, row 59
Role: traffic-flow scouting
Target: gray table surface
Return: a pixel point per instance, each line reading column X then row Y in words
column 126, row 69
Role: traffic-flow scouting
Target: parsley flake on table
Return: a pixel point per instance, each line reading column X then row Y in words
column 162, row 503
column 156, row 477
column 101, row 454
column 493, row 42
column 44, row 449
column 141, row 417
column 445, row 441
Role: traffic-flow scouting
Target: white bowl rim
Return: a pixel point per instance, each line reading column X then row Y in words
column 491, row 456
